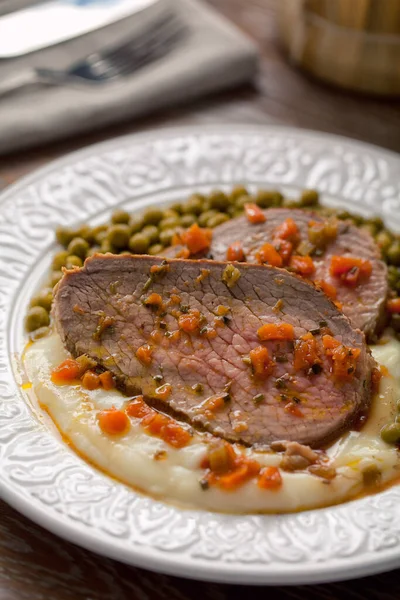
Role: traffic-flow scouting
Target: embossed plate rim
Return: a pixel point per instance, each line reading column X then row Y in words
column 272, row 572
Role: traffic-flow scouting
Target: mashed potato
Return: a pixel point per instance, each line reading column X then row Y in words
column 133, row 457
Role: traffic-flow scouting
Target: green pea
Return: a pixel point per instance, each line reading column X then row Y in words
column 217, row 219
column 73, row 261
column 268, row 198
column 176, row 207
column 152, row 232
column 99, row 233
column 36, row 317
column 152, row 216
column 166, row 236
column 391, row 433
column 384, row 240
column 393, row 253
column 205, row 216
column 44, row 299
column 188, row 220
column 238, row 212
column 59, row 260
column 309, row 198
column 194, row 205
column 290, row 203
column 94, row 250
column 344, row 215
column 242, row 200
column 377, row 221
column 55, row 277
column 169, row 222
column 218, row 200
column 139, row 243
column 85, row 232
column 136, row 224
column 106, row 247
column 170, row 213
column 156, row 249
column 79, row 247
column 118, row 236
column 120, row 217
column 237, row 191
column 64, row 235
column 231, row 210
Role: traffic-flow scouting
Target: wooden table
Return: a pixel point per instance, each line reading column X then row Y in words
column 36, row 565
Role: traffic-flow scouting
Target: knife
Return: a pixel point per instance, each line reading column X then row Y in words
column 55, row 21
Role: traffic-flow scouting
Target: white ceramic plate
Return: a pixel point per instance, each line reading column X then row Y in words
column 42, row 478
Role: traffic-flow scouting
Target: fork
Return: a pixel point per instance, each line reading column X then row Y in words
column 160, row 38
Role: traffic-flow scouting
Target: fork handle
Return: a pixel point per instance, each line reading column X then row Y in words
column 18, row 81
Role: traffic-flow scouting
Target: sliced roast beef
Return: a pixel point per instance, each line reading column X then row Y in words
column 363, row 303
column 187, row 335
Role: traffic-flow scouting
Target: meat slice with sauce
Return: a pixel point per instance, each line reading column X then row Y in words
column 362, row 299
column 250, row 353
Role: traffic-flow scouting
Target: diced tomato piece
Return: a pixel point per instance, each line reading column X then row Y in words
column 183, row 253
column 235, row 252
column 293, row 409
column 91, row 381
column 107, row 380
column 328, row 289
column 113, row 421
column 153, row 300
column 246, row 470
column 254, row 213
column 157, row 269
column 214, row 403
column 190, row 321
column 176, row 239
column 268, row 254
column 138, row 408
column 393, row 306
column 222, row 310
column 303, row 265
column 164, row 391
column 350, row 270
column 276, row 331
column 196, row 239
column 344, row 358
column 306, row 352
column 329, row 342
column 155, row 422
column 66, row 372
column 284, row 249
column 175, row 435
column 270, row 479
column 144, row 354
column 261, row 362
column 288, row 230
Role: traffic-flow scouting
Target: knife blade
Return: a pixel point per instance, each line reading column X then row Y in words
column 55, row 21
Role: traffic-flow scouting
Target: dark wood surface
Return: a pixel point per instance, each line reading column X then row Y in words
column 36, row 565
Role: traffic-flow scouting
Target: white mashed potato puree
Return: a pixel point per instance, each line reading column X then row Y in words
column 132, row 457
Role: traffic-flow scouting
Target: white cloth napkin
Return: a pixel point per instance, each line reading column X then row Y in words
column 212, row 56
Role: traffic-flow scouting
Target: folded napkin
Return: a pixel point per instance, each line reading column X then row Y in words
column 212, row 56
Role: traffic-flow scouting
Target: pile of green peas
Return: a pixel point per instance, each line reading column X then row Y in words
column 152, row 232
